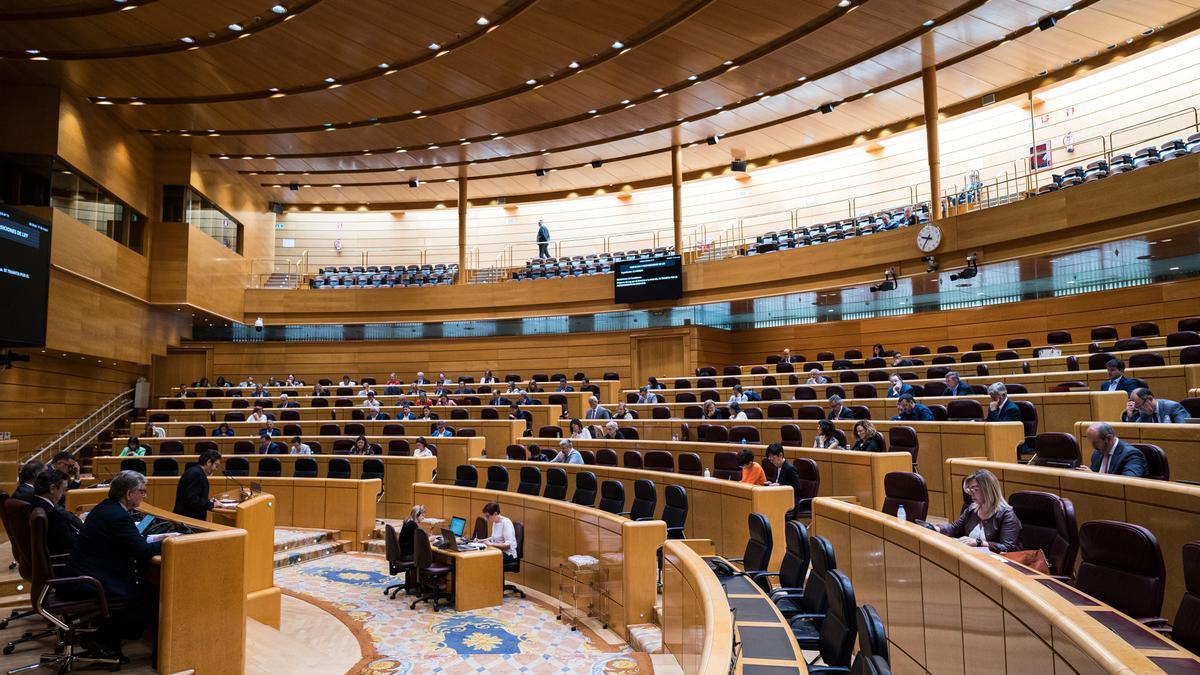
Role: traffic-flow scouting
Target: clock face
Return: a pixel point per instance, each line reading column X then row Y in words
column 929, row 238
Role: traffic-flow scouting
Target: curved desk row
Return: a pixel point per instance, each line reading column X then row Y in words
column 555, row 530
column 542, row 414
column 1056, row 412
column 717, row 509
column 451, row 451
column 697, row 626
column 576, row 401
column 608, row 388
column 1181, row 442
column 952, row 609
column 1170, row 510
column 939, row 441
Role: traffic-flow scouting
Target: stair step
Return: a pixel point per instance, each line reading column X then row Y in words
column 15, row 600
column 645, row 637
column 310, row 552
column 288, row 538
column 658, row 614
column 376, row 546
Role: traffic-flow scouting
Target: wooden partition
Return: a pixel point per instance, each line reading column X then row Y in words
column 1170, row 510
column 948, row 608
column 938, row 440
column 717, row 509
column 257, row 517
column 10, row 460
column 542, row 414
column 697, row 626
column 1056, row 412
column 452, row 450
column 555, row 530
column 399, row 475
column 1181, row 442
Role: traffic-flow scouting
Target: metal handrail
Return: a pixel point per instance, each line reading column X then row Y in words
column 87, row 429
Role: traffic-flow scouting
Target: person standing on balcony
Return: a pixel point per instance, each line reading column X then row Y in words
column 543, row 240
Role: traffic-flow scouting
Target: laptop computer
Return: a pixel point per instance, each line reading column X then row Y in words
column 458, row 525
column 144, row 523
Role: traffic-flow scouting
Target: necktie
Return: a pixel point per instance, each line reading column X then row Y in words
column 1104, row 463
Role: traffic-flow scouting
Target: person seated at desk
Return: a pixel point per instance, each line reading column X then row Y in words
column 405, row 413
column 567, row 454
column 533, row 386
column 611, row 430
column 441, row 431
column 223, row 429
column 292, row 381
column 898, row 387
column 825, row 437
column 736, row 412
column 497, row 399
column 392, row 386
column 247, row 383
column 504, row 535
column 752, row 471
column 526, row 399
column 26, row 477
column 259, row 392
column 272, row 382
column 838, row 409
column 1116, row 378
column 786, row 356
column 955, row 386
column 623, row 412
column 376, row 415
column 191, row 494
column 911, row 410
column 257, row 415
column 62, row 526
column 427, row 413
column 201, row 383
column 867, row 438
column 347, row 382
column 463, row 388
column 65, row 462
column 815, row 377
column 222, row 382
column 1143, row 408
column 111, row 550
column 644, row 395
column 444, row 399
column 361, row 447
column 1112, row 455
column 319, row 390
column 133, row 448
column 267, row 445
column 653, row 383
column 298, row 447
column 597, row 411
column 711, row 412
column 421, row 448
column 270, row 429
column 512, row 389
column 738, row 395
column 285, row 402
column 488, row 378
column 151, row 431
column 578, row 431
column 370, row 402
column 1001, row 409
column 901, row 361
column 989, row 520
column 411, row 524
column 878, row 352
column 420, row 380
column 786, row 473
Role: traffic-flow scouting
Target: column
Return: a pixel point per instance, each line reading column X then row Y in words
column 930, row 97
column 677, row 195
column 462, row 227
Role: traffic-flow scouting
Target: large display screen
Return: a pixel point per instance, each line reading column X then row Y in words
column 24, row 278
column 646, row 280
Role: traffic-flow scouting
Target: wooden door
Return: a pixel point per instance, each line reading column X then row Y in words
column 660, row 354
column 179, row 366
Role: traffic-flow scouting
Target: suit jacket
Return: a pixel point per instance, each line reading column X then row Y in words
column 919, row 413
column 110, row 549
column 1122, row 383
column 872, row 444
column 1008, row 412
column 289, row 404
column 789, row 476
column 904, row 389
column 1002, row 531
column 62, row 526
column 598, row 413
column 845, row 414
column 23, row 491
column 963, row 389
column 191, row 494
column 1126, row 461
column 1165, row 412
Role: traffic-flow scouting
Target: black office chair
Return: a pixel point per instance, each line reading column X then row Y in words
column 612, row 496
column 515, row 565
column 675, row 511
column 134, row 464
column 556, row 484
column 812, row 602
column 757, row 555
column 466, row 475
column 339, row 467
column 585, row 489
column 497, row 479
column 166, row 466
column 306, row 467
column 237, row 466
column 396, row 563
column 645, row 500
column 872, row 634
column 269, row 467
column 432, row 576
column 530, row 482
column 834, row 637
column 372, row 468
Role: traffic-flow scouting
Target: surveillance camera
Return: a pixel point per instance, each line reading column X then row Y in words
column 258, row 325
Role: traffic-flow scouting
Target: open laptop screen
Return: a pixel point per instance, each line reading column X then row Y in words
column 457, row 525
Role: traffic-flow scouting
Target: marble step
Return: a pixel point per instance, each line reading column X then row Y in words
column 375, row 546
column 288, row 538
column 301, row 554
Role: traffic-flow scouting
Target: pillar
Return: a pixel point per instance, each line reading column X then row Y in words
column 462, row 228
column 677, row 195
column 930, row 99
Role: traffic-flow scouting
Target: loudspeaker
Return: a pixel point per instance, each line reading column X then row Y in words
column 825, row 108
column 738, row 165
column 1047, row 22
column 596, row 163
column 294, row 187
column 414, row 182
column 276, row 208
column 540, row 173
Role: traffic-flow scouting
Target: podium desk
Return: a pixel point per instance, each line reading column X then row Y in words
column 477, row 580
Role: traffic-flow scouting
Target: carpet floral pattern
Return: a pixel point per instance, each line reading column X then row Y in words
column 519, row 636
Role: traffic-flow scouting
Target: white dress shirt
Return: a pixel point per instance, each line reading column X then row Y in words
column 503, row 532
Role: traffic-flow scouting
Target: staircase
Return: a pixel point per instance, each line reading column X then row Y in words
column 281, row 280
column 376, row 544
column 297, row 545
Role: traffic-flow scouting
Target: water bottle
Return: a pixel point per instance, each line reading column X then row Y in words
column 743, row 440
column 900, row 513
column 706, row 474
column 674, row 437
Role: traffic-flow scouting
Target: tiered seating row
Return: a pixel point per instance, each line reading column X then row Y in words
column 585, row 265
column 385, row 276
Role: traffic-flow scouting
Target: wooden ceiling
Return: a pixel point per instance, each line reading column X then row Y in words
column 356, row 97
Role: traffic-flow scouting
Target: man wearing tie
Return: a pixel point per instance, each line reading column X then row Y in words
column 1116, row 378
column 1113, row 455
column 838, row 409
column 1001, row 409
column 955, row 386
column 597, row 411
column 191, row 494
column 1144, row 408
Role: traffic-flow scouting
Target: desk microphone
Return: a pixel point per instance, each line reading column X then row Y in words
column 243, row 492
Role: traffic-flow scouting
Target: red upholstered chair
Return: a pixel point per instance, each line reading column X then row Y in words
column 1144, row 329
column 908, row 490
column 1157, row 466
column 1122, row 566
column 1056, row 449
column 659, row 460
column 1048, row 523
column 904, row 439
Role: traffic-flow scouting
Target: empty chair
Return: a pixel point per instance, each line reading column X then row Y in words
column 743, row 434
column 805, row 393
column 659, row 460
column 872, row 635
column 1144, row 329
column 166, row 466
column 1122, row 566
column 306, row 467
column 792, row 569
column 172, row 447
column 907, row 490
column 835, row 634
column 338, row 468
column 398, row 447
column 779, row 411
column 865, row 390
column 660, row 412
column 675, row 511
column 947, row 349
column 556, row 484
column 530, row 482
column 1186, row 631
column 466, row 475
column 1157, row 466
column 1007, row 355
column 194, row 430
column 612, row 496
column 810, row 412
column 269, row 467
column 940, row 414
column 632, row 459
column 770, row 393
column 585, row 489
column 1129, row 344
column 809, row 486
column 1056, row 449
column 961, row 409
column 791, row 436
column 1183, row 338
column 904, row 439
column 237, row 466
column 1146, row 360
column 497, row 479
column 1018, row 343
column 690, row 464
column 137, row 464
column 372, row 468
column 758, row 550
column 1058, row 337
column 330, row 430
column 1048, row 524
column 550, row 431
column 606, row 457
column 1104, row 333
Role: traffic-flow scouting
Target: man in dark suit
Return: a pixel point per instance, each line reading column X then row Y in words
column 1116, row 378
column 909, row 409
column 25, row 478
column 270, row 429
column 955, row 386
column 838, row 410
column 285, row 403
column 1144, row 408
column 191, row 494
column 267, row 445
column 1001, row 409
column 62, row 526
column 543, row 240
column 1113, row 455
column 787, row 474
column 65, row 462
column 111, row 550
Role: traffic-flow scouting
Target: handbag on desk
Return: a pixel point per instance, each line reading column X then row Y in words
column 1034, row 559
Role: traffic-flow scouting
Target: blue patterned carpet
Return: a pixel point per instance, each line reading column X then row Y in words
column 520, row 636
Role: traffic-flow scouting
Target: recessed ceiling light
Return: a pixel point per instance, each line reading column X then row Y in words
column 384, row 66
column 573, row 64
column 659, row 90
column 331, row 79
column 33, row 51
column 928, row 22
column 497, row 138
column 235, row 27
column 592, row 111
column 279, row 9
column 335, row 185
column 618, row 45
column 416, row 112
column 223, row 157
column 482, row 21
column 434, row 147
column 624, row 101
column 187, row 40
column 844, row 3
column 693, row 78
column 531, row 82
column 802, row 78
column 434, row 46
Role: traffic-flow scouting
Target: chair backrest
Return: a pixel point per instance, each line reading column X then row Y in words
column 550, row 431
column 338, row 468
column 585, row 489
column 791, row 435
column 606, row 457
column 872, row 635
column 398, row 446
column 690, row 464
column 810, row 477
column 659, row 460
column 743, row 434
column 759, row 545
column 1029, row 416
column 270, row 467
column 780, row 411
column 796, row 558
column 1146, row 360
column 804, row 393
column 530, row 482
column 497, row 478
column 372, row 468
column 908, row 490
column 166, row 466
column 675, row 511
column 1058, row 337
column 1104, row 333
column 556, row 484
column 964, row 409
column 612, row 496
column 823, row 560
column 16, row 524
column 1183, row 338
column 306, row 467
column 645, row 500
column 1187, row 619
column 904, row 439
column 725, row 465
column 466, row 475
column 1048, row 523
column 1144, row 329
column 1189, row 354
column 237, row 466
column 632, row 459
column 1056, row 449
column 1157, row 466
column 516, row 452
column 391, row 546
column 1122, row 566
column 810, row 412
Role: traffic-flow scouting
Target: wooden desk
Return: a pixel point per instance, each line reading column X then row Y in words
column 542, row 414
column 1170, row 510
column 1181, row 442
column 478, row 577
column 608, row 388
column 256, row 516
column 576, row 401
column 948, row 608
column 697, row 626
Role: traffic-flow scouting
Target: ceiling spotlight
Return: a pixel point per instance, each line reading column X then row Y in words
column 414, row 182
column 738, row 165
column 235, row 27
column 187, row 40
column 928, row 23
column 618, row 45
column 573, row 64
column 540, row 173
column 482, row 21
column 434, row 46
column 384, row 66
column 33, row 51
column 279, row 9
column 659, row 90
column 713, row 140
column 844, row 4
column 825, row 108
column 597, row 163
column 531, row 82
column 625, row 102
column 331, row 80
column 693, row 78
